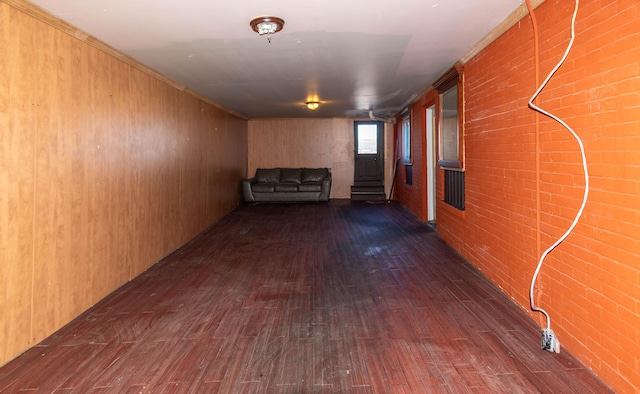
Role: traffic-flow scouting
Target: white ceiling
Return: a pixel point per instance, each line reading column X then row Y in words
column 353, row 55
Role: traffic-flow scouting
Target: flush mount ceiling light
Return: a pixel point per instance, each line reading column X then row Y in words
column 313, row 105
column 268, row 25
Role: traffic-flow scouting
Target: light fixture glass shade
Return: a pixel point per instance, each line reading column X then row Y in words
column 268, row 25
column 313, row 105
column 267, row 28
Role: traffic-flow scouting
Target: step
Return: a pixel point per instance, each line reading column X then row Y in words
column 372, row 192
column 368, row 189
column 368, row 197
column 368, row 193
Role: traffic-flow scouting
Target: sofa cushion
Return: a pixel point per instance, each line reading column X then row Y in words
column 287, row 187
column 263, row 187
column 314, row 174
column 268, row 175
column 310, row 187
column 291, row 175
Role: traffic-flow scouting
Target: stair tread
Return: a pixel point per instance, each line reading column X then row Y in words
column 368, row 197
column 367, row 187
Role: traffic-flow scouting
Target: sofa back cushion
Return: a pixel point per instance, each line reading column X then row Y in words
column 291, row 175
column 268, row 175
column 314, row 174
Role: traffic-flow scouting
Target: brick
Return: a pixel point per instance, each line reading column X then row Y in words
column 595, row 272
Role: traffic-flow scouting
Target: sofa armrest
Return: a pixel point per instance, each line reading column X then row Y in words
column 326, row 188
column 246, row 189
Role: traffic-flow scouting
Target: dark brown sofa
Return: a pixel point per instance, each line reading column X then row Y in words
column 288, row 185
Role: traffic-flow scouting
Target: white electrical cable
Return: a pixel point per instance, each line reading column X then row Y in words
column 584, row 166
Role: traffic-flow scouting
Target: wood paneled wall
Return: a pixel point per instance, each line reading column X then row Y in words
column 311, row 143
column 104, row 170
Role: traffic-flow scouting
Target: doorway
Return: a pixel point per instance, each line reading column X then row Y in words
column 430, row 138
column 368, row 178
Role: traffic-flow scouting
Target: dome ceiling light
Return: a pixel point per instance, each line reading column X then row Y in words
column 313, row 105
column 268, row 25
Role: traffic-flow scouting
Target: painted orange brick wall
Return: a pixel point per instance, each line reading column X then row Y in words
column 590, row 284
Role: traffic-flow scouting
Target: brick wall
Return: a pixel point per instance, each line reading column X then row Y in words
column 590, row 284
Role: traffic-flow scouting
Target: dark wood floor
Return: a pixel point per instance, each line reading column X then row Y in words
column 331, row 297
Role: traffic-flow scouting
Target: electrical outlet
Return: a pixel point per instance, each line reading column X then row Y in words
column 549, row 341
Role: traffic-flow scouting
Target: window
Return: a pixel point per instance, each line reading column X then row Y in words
column 449, row 133
column 449, row 130
column 450, row 137
column 367, row 135
column 406, row 140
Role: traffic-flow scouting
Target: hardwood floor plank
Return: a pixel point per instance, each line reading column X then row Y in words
column 291, row 298
column 503, row 352
column 264, row 359
column 188, row 371
column 100, row 363
column 377, row 375
column 228, row 355
column 291, row 371
column 419, row 376
column 360, row 375
column 384, row 353
column 54, row 364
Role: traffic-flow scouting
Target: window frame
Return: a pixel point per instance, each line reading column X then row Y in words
column 451, row 79
column 453, row 170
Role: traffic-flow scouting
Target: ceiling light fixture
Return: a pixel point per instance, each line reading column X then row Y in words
column 268, row 25
column 313, row 105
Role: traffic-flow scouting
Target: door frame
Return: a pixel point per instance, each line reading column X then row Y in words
column 380, row 159
column 429, row 162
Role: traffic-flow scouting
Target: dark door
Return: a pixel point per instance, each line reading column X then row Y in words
column 369, row 153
